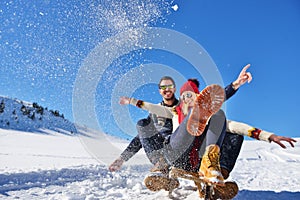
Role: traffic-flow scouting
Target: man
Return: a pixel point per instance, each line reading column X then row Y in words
column 167, row 89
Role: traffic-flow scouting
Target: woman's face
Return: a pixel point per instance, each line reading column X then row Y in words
column 188, row 98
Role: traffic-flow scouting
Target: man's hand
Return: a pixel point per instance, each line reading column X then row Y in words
column 243, row 77
column 124, row 100
column 116, row 165
column 277, row 139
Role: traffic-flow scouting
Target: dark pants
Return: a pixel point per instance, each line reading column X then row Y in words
column 151, row 140
column 230, row 150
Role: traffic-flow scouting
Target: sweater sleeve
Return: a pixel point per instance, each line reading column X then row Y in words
column 133, row 147
column 247, row 130
column 157, row 109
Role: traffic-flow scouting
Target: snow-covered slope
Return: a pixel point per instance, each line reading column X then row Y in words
column 24, row 116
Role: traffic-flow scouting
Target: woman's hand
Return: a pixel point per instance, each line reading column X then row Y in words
column 277, row 139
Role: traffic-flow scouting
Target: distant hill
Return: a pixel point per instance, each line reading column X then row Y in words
column 19, row 115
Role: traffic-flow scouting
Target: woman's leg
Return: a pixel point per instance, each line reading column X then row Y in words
column 179, row 145
column 181, row 142
column 216, row 131
column 210, row 163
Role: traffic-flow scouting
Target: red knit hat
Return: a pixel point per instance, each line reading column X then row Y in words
column 189, row 86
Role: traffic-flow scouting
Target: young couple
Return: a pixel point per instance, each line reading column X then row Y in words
column 191, row 133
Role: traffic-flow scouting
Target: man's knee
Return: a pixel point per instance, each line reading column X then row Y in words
column 146, row 128
column 143, row 122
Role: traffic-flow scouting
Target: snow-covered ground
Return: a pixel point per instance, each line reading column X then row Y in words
column 52, row 165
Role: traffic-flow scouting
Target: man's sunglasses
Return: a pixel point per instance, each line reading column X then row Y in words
column 164, row 87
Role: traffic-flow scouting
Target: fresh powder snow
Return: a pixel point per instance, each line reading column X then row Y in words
column 52, row 165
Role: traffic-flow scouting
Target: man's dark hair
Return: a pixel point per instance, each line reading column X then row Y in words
column 167, row 78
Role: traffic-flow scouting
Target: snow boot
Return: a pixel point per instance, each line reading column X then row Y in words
column 228, row 191
column 225, row 173
column 207, row 103
column 210, row 165
column 159, row 179
column 156, row 181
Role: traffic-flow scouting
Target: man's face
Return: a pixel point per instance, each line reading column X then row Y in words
column 167, row 89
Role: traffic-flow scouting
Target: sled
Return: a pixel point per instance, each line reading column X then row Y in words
column 207, row 190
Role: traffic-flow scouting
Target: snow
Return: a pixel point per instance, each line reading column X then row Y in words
column 175, row 7
column 19, row 115
column 36, row 165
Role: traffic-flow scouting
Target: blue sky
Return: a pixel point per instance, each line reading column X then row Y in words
column 44, row 44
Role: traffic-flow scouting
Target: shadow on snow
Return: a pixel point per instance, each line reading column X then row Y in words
column 44, row 178
column 266, row 195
